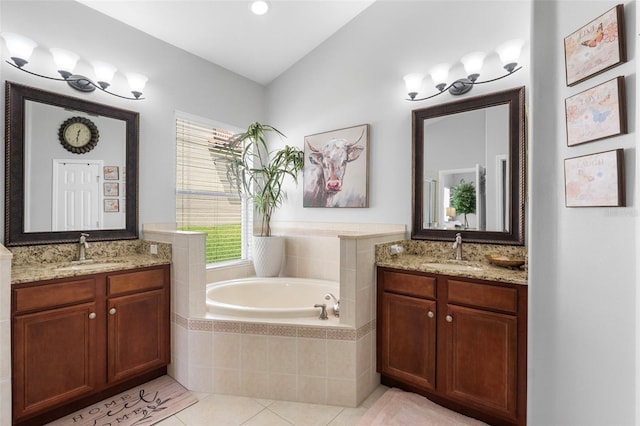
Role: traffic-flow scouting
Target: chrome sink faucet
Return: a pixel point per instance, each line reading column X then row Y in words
column 82, row 247
column 336, row 303
column 458, row 246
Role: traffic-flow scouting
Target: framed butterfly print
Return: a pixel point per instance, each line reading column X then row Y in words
column 596, row 113
column 596, row 47
column 595, row 180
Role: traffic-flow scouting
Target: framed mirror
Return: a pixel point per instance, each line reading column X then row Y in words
column 469, row 169
column 71, row 167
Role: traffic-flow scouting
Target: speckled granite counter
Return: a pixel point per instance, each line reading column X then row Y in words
column 436, row 257
column 46, row 262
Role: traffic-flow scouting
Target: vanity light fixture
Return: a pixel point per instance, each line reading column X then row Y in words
column 259, row 7
column 508, row 52
column 20, row 49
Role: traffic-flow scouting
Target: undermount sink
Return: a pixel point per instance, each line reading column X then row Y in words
column 79, row 266
column 453, row 266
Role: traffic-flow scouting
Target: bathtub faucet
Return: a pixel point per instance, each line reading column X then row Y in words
column 336, row 303
column 323, row 312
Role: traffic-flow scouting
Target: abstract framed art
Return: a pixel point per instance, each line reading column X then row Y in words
column 336, row 168
column 596, row 47
column 595, row 180
column 596, row 113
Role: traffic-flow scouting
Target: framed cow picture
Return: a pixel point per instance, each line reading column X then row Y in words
column 336, row 168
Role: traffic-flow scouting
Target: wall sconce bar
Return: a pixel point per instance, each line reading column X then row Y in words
column 20, row 49
column 509, row 53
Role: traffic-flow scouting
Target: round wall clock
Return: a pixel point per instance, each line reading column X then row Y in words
column 78, row 135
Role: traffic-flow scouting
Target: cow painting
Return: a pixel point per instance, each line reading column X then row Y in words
column 335, row 168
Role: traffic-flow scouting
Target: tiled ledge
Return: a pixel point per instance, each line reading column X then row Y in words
column 242, row 327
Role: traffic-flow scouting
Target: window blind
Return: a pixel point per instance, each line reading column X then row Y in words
column 205, row 199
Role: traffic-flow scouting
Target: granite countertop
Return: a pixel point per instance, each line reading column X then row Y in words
column 467, row 269
column 48, row 271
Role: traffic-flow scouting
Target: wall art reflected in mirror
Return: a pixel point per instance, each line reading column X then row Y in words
column 469, row 169
column 58, row 150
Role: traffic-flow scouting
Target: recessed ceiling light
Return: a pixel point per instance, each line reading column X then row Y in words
column 259, row 7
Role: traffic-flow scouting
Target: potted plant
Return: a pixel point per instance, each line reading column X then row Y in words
column 259, row 175
column 463, row 199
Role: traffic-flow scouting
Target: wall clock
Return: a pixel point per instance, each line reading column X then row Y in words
column 78, row 135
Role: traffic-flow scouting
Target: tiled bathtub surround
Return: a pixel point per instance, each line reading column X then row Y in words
column 214, row 355
column 320, row 365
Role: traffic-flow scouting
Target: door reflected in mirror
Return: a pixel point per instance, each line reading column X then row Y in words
column 469, row 169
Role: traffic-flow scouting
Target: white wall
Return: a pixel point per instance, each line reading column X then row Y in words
column 177, row 81
column 583, row 279
column 356, row 77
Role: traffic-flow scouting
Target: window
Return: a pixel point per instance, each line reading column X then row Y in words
column 205, row 200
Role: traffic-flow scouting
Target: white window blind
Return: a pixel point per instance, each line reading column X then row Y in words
column 205, row 200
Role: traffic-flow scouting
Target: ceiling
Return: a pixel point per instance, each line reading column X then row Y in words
column 226, row 33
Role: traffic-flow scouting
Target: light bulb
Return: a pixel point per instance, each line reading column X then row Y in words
column 414, row 83
column 509, row 53
column 259, row 7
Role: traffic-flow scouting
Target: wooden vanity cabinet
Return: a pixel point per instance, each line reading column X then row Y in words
column 78, row 340
column 459, row 341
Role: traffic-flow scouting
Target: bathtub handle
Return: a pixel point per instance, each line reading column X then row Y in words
column 323, row 311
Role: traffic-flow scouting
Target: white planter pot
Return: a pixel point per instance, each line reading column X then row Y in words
column 268, row 255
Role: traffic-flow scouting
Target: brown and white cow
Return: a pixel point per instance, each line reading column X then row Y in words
column 324, row 171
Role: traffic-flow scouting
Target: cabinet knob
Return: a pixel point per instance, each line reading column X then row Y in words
column 92, row 315
column 112, row 311
column 449, row 318
column 430, row 314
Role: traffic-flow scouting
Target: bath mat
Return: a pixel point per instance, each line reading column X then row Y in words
column 146, row 405
column 398, row 408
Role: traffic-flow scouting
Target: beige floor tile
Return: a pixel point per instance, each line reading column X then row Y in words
column 266, row 417
column 348, row 417
column 171, row 421
column 377, row 393
column 220, row 410
column 301, row 414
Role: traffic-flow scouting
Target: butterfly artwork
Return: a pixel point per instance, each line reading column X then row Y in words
column 600, row 116
column 593, row 42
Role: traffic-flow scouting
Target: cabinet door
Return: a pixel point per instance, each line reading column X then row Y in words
column 408, row 339
column 138, row 333
column 481, row 359
column 54, row 357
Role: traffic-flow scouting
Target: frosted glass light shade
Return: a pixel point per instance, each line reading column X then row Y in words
column 136, row 83
column 104, row 72
column 19, row 46
column 439, row 74
column 413, row 82
column 509, row 51
column 64, row 59
column 473, row 62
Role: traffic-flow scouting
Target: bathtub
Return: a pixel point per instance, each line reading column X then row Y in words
column 270, row 298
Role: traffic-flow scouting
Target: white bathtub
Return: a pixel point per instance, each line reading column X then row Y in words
column 270, row 298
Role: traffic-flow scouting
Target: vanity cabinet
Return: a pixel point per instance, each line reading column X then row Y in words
column 78, row 340
column 459, row 341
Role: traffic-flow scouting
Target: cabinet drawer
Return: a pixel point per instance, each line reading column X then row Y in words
column 409, row 284
column 135, row 281
column 484, row 296
column 51, row 295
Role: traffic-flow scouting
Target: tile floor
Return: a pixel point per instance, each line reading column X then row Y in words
column 227, row 410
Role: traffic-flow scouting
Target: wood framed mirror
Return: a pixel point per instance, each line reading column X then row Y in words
column 477, row 143
column 54, row 190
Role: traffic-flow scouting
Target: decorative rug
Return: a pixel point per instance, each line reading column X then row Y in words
column 146, row 405
column 398, row 408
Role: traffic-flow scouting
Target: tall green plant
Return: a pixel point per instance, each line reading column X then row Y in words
column 463, row 199
column 260, row 174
